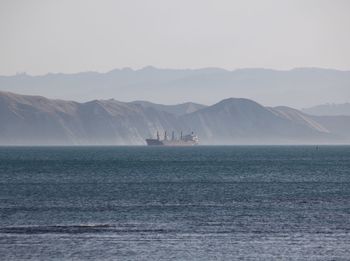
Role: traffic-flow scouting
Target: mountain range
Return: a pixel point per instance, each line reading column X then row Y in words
column 36, row 120
column 297, row 88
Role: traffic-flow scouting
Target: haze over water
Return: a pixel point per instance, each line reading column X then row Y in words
column 162, row 203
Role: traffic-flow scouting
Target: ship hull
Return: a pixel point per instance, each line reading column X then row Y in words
column 186, row 140
column 178, row 143
column 155, row 142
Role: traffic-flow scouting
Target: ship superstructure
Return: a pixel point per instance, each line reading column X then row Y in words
column 183, row 140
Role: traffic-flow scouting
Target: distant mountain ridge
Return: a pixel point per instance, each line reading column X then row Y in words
column 204, row 86
column 177, row 109
column 328, row 109
column 36, row 120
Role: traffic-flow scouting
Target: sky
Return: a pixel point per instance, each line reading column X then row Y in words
column 41, row 36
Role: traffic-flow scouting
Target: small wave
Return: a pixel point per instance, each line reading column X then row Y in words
column 76, row 229
column 71, row 229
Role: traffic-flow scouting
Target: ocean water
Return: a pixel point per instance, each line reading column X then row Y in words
column 162, row 203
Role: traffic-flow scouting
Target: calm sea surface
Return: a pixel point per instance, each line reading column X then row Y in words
column 158, row 203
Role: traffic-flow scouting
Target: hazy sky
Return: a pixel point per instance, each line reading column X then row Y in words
column 40, row 36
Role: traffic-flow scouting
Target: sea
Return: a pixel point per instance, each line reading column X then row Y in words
column 175, row 203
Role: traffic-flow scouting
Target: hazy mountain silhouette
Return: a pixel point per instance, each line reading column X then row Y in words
column 177, row 109
column 242, row 121
column 201, row 85
column 329, row 109
column 35, row 120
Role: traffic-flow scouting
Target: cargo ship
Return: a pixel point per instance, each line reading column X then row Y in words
column 184, row 140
